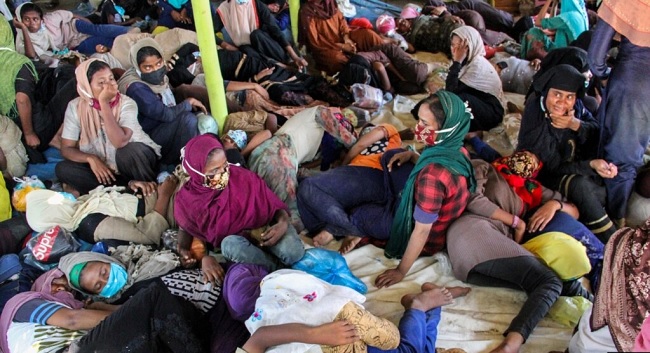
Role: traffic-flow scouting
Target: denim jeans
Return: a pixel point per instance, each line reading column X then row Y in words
column 288, row 250
column 324, row 200
column 418, row 331
column 99, row 34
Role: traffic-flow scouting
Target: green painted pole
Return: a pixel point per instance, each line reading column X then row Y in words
column 294, row 8
column 210, row 60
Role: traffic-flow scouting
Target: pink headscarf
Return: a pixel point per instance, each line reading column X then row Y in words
column 42, row 289
column 410, row 11
column 211, row 215
column 385, row 24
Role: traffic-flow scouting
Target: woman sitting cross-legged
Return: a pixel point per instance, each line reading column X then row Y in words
column 103, row 143
column 222, row 204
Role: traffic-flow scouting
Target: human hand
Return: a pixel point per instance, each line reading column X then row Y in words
column 388, row 278
column 566, row 121
column 212, row 271
column 335, row 333
column 176, row 16
column 536, row 64
column 458, row 20
column 187, row 260
column 19, row 24
column 349, row 47
column 302, row 63
column 543, row 215
column 260, row 75
column 459, row 52
column 274, row 8
column 186, row 20
column 519, row 231
column 109, row 91
column 603, row 168
column 102, row 172
column 197, row 105
column 274, row 233
column 147, row 187
column 228, row 46
column 399, row 158
column 32, row 140
column 261, row 91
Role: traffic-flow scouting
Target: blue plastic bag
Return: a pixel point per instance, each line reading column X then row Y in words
column 331, row 267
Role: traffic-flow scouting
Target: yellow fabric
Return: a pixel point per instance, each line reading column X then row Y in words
column 159, row 29
column 563, row 254
column 5, row 204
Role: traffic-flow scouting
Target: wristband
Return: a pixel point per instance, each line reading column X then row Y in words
column 561, row 205
column 515, row 221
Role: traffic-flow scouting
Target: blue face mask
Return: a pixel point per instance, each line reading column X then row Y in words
column 120, row 10
column 116, row 281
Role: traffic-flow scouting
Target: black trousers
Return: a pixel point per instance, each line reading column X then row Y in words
column 541, row 284
column 153, row 320
column 135, row 161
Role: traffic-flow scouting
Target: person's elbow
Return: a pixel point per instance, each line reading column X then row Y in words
column 22, row 100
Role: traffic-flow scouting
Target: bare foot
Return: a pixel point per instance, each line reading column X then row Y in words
column 455, row 291
column 323, row 238
column 349, row 243
column 428, row 299
column 458, row 291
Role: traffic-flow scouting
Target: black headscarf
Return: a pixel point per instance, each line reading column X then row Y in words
column 572, row 56
column 563, row 77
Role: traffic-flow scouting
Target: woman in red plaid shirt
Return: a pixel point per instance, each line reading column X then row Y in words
column 437, row 189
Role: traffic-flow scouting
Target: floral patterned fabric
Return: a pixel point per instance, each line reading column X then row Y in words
column 623, row 298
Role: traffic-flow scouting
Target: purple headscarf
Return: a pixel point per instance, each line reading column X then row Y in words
column 42, row 289
column 211, row 215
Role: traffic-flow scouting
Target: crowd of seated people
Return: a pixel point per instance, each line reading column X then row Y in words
column 142, row 188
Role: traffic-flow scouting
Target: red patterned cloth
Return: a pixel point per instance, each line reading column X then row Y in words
column 439, row 191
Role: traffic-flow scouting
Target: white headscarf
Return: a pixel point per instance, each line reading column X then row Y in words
column 478, row 73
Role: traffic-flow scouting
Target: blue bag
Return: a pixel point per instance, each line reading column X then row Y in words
column 331, row 267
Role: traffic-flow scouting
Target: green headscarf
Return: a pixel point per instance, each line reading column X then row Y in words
column 12, row 62
column 447, row 153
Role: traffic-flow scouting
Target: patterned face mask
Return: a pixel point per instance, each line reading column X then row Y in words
column 218, row 181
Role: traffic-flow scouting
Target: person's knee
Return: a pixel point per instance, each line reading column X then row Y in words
column 290, row 249
column 306, row 191
column 233, row 246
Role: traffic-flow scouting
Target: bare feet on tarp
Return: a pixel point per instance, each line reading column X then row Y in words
column 349, row 243
column 428, row 299
column 455, row 291
column 322, row 239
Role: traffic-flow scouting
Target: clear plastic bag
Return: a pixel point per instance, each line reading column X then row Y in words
column 567, row 311
column 23, row 187
column 403, row 104
column 366, row 96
